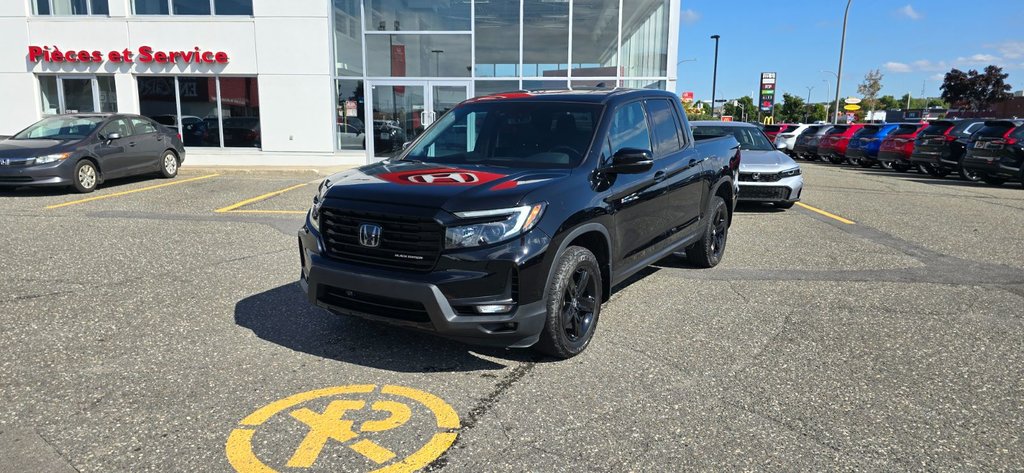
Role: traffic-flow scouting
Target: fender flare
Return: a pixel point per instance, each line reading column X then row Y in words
column 569, row 237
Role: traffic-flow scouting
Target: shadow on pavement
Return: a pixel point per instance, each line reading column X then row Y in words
column 284, row 316
column 757, row 207
column 112, row 185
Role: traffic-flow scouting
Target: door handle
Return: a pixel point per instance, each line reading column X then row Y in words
column 131, row 144
column 659, row 176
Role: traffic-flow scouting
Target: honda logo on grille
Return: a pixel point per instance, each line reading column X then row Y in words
column 369, row 235
column 756, row 176
column 5, row 162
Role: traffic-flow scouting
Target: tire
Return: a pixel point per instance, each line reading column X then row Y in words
column 784, row 205
column 866, row 164
column 836, row 160
column 708, row 251
column 993, row 181
column 853, row 161
column 967, row 174
column 86, row 177
column 169, row 165
column 932, row 170
column 900, row 167
column 573, row 297
column 886, row 165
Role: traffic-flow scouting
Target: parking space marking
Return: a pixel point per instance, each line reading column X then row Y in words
column 331, row 426
column 234, row 207
column 270, row 212
column 133, row 191
column 827, row 214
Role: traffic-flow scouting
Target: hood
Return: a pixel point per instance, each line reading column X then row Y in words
column 765, row 161
column 455, row 188
column 31, row 148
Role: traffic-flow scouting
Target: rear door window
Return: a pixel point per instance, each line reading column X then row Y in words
column 994, row 131
column 666, row 127
column 629, row 128
column 143, row 127
column 967, row 129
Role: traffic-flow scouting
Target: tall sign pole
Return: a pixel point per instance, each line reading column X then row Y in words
column 766, row 103
column 842, row 51
column 714, row 77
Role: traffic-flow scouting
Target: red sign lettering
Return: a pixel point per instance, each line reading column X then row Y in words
column 146, row 54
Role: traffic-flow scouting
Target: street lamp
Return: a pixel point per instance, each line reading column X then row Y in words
column 808, row 104
column 828, row 88
column 714, row 78
column 686, row 60
column 437, row 61
column 842, row 52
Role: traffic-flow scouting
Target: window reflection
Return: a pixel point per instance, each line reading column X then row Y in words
column 645, row 38
column 545, row 38
column 595, row 38
column 348, row 42
column 351, row 118
column 418, row 55
column 417, row 15
column 491, row 87
column 497, row 39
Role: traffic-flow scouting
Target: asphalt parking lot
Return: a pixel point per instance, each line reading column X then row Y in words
column 157, row 326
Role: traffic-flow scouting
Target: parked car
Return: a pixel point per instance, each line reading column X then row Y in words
column 83, row 150
column 898, row 146
column 864, row 146
column 832, row 146
column 940, row 148
column 996, row 152
column 388, row 137
column 772, row 131
column 194, row 130
column 785, row 141
column 516, row 239
column 766, row 174
column 806, row 146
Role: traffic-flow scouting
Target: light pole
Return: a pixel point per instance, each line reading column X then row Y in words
column 437, row 61
column 808, row 104
column 828, row 88
column 714, row 77
column 842, row 52
column 686, row 60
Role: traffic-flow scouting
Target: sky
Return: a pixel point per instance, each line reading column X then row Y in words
column 914, row 43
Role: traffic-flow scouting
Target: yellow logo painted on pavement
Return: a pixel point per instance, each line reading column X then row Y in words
column 338, row 423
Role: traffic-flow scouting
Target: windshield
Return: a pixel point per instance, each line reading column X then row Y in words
column 60, row 128
column 512, row 134
column 750, row 138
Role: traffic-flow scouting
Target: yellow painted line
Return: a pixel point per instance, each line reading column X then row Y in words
column 253, row 200
column 271, row 212
column 827, row 214
column 119, row 194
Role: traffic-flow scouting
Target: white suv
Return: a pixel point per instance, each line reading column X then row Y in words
column 786, row 140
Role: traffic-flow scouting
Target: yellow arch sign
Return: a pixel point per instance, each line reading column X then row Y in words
column 331, row 426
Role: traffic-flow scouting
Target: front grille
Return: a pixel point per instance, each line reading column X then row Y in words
column 15, row 179
column 764, row 192
column 405, row 242
column 380, row 306
column 759, row 177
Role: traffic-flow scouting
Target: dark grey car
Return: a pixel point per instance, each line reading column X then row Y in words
column 81, row 151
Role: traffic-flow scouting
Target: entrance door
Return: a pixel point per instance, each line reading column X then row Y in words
column 402, row 109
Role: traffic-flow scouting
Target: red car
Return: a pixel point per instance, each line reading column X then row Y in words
column 773, row 130
column 833, row 145
column 898, row 146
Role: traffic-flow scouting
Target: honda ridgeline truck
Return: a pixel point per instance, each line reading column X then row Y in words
column 509, row 220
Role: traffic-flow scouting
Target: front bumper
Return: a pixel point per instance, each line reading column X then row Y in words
column 783, row 190
column 52, row 174
column 439, row 302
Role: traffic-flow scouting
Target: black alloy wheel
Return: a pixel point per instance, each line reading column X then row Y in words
column 967, row 174
column 573, row 299
column 709, row 250
column 579, row 303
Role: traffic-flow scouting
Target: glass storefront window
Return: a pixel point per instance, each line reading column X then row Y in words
column 198, row 122
column 70, row 7
column 350, row 128
column 594, row 84
column 397, row 117
column 108, row 94
column 497, row 39
column 348, row 38
column 78, row 96
column 491, row 87
column 595, row 38
column 418, row 55
column 190, row 7
column 49, row 95
column 203, row 110
column 645, row 39
column 152, row 7
column 545, row 84
column 545, row 38
column 233, row 7
column 417, row 15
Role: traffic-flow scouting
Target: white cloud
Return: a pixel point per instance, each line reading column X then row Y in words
column 896, row 67
column 938, row 76
column 689, row 16
column 929, row 66
column 909, row 12
column 1009, row 49
column 978, row 58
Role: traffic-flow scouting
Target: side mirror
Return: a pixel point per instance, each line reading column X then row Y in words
column 630, row 161
column 406, row 145
column 113, row 136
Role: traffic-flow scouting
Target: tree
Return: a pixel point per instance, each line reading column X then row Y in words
column 870, row 87
column 746, row 111
column 975, row 91
column 791, row 110
column 888, row 102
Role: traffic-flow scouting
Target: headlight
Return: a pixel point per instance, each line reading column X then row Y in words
column 790, row 172
column 498, row 226
column 318, row 200
column 52, row 158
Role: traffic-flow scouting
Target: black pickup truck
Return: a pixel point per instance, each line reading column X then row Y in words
column 510, row 219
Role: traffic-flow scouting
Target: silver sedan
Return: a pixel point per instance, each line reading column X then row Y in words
column 766, row 174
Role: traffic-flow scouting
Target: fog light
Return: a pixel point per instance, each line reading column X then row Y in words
column 494, row 309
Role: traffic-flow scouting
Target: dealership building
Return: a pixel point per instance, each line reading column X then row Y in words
column 315, row 82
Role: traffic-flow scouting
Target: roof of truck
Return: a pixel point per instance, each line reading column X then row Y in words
column 589, row 96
